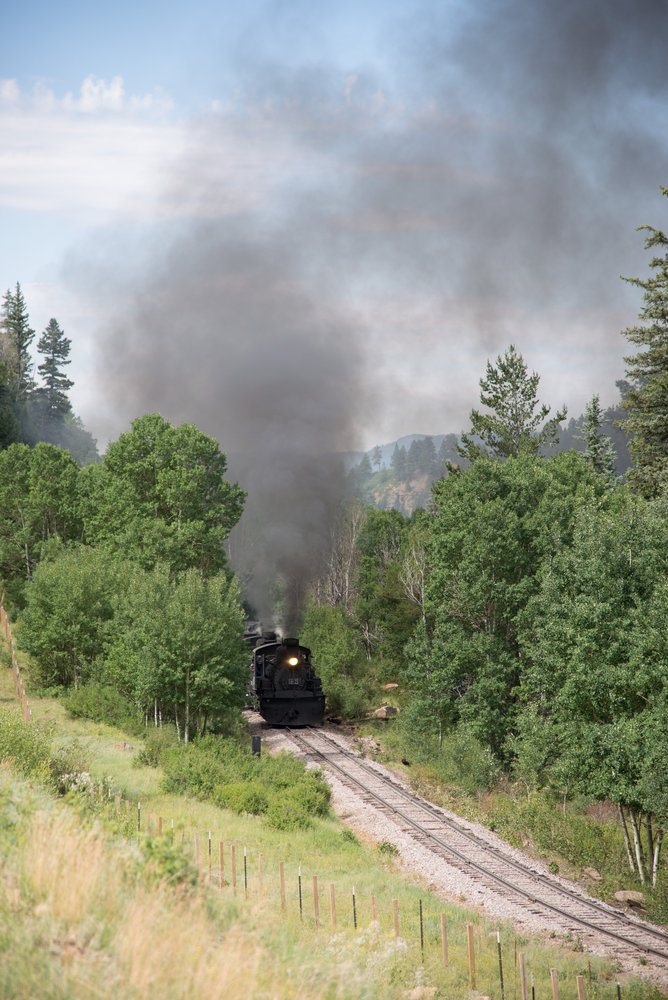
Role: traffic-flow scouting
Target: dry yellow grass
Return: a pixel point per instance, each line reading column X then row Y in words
column 111, row 934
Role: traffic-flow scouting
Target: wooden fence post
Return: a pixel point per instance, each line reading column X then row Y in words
column 221, row 863
column 581, row 987
column 471, row 950
column 444, row 940
column 332, row 904
column 554, row 977
column 315, row 901
column 281, row 873
column 234, row 869
column 523, row 977
column 374, row 911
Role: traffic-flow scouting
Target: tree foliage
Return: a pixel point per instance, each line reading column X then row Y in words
column 599, row 452
column 177, row 649
column 17, row 336
column 598, row 671
column 513, row 426
column 494, row 524
column 646, row 402
column 38, row 502
column 69, row 609
column 161, row 496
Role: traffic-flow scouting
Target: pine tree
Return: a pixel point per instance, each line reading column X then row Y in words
column 599, row 452
column 512, row 427
column 17, row 337
column 55, row 347
column 399, row 462
column 646, row 402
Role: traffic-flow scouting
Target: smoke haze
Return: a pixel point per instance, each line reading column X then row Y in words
column 377, row 239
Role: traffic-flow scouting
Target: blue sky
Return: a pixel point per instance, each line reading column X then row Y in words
column 365, row 200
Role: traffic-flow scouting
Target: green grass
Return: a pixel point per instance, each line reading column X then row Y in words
column 287, row 956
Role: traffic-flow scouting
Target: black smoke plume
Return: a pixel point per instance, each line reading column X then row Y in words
column 395, row 234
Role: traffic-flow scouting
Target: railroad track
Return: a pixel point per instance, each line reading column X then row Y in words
column 492, row 868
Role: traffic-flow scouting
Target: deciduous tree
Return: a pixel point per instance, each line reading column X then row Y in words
column 161, row 496
column 494, row 525
column 597, row 653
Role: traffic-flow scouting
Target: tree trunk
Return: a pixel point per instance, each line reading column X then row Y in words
column 650, row 839
column 176, row 720
column 155, row 712
column 637, row 843
column 25, row 544
column 627, row 842
column 658, row 840
column 186, row 720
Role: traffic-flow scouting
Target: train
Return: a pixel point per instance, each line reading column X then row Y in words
column 284, row 686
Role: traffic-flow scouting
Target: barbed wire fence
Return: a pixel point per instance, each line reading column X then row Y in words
column 417, row 930
column 18, row 682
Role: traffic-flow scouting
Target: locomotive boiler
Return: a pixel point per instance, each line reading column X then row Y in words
column 284, row 683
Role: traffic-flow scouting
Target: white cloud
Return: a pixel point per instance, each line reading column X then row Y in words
column 9, row 91
column 105, row 155
column 97, row 95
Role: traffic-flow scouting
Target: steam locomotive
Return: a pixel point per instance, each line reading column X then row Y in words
column 284, row 683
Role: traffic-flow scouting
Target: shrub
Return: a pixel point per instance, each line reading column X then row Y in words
column 103, row 704
column 227, row 773
column 242, row 797
column 26, row 748
column 156, row 745
column 387, row 848
column 287, row 811
column 165, row 861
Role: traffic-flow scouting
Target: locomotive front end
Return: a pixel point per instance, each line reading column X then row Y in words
column 285, row 685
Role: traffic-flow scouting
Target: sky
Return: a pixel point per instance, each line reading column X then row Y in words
column 316, row 223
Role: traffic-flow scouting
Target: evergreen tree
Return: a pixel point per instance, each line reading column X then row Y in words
column 55, row 347
column 599, row 452
column 646, row 402
column 9, row 425
column 364, row 470
column 399, row 461
column 429, row 457
column 377, row 457
column 512, row 427
column 17, row 337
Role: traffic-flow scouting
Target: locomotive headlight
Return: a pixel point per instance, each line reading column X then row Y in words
column 293, row 661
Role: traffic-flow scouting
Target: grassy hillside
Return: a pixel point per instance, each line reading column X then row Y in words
column 92, row 908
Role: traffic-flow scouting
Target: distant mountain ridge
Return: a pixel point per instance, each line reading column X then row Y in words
column 405, row 486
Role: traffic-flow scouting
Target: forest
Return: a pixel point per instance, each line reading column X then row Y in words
column 521, row 611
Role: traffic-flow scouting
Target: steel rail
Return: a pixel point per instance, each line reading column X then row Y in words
column 613, row 915
column 433, row 811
